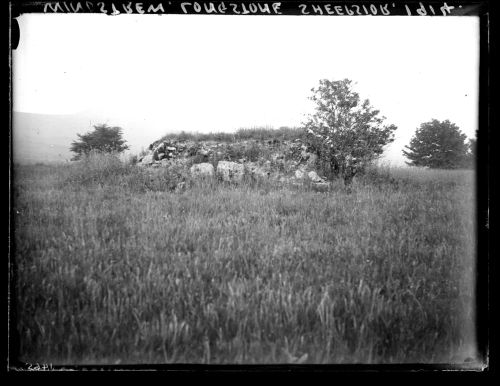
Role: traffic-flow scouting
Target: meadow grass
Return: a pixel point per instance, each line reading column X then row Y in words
column 254, row 133
column 112, row 268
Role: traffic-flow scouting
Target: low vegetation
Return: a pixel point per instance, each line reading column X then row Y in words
column 244, row 134
column 114, row 266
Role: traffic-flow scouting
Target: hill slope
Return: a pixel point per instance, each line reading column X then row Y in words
column 44, row 137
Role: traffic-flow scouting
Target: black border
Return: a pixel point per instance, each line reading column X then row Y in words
column 486, row 264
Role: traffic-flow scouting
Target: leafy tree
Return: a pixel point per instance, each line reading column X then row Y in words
column 437, row 145
column 345, row 134
column 471, row 152
column 103, row 139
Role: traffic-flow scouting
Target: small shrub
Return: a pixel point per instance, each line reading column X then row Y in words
column 253, row 153
column 292, row 153
column 193, row 150
column 234, row 153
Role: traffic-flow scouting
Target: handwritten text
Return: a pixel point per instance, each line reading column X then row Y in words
column 251, row 8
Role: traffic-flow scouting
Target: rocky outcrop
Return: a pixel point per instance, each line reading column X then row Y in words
column 287, row 161
column 241, row 152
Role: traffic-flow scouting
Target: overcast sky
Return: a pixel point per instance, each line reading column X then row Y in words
column 160, row 73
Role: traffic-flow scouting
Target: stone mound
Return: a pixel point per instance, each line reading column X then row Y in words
column 285, row 161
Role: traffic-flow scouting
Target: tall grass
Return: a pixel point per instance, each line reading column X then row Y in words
column 256, row 133
column 250, row 273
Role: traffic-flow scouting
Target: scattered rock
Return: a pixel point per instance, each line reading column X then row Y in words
column 311, row 160
column 160, row 149
column 147, row 160
column 255, row 170
column 204, row 169
column 299, row 174
column 277, row 156
column 230, row 171
column 313, row 176
column 182, row 163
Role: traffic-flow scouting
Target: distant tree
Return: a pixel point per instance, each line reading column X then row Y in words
column 471, row 153
column 345, row 134
column 437, row 145
column 103, row 138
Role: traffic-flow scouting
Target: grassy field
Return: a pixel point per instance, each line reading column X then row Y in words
column 115, row 268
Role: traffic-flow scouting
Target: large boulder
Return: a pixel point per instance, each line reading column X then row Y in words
column 230, row 171
column 204, row 169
